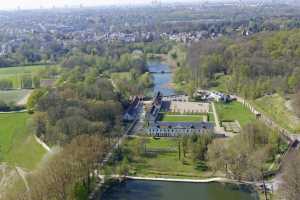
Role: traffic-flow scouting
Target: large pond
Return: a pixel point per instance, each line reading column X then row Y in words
column 159, row 190
column 162, row 81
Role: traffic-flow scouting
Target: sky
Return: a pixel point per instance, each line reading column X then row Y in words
column 33, row 4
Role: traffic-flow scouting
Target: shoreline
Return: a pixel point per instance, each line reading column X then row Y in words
column 184, row 180
column 189, row 180
column 14, row 112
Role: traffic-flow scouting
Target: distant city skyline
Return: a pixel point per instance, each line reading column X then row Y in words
column 36, row 4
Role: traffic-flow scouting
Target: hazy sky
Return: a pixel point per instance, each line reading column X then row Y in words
column 28, row 4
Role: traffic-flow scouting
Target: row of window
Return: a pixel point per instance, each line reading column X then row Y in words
column 174, row 131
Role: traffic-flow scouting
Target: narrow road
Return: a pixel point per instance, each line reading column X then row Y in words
column 218, row 129
column 132, row 129
column 215, row 115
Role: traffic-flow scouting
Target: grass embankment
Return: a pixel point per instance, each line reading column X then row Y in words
column 15, row 73
column 13, row 95
column 234, row 111
column 160, row 158
column 274, row 106
column 18, row 145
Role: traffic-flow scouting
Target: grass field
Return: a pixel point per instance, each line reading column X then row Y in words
column 13, row 95
column 182, row 118
column 161, row 159
column 18, row 146
column 15, row 73
column 234, row 111
column 274, row 107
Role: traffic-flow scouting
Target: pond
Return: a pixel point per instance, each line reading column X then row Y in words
column 161, row 190
column 161, row 76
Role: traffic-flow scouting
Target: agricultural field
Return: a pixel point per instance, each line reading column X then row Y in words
column 14, row 96
column 279, row 110
column 157, row 157
column 18, row 146
column 183, row 118
column 15, row 73
column 234, row 111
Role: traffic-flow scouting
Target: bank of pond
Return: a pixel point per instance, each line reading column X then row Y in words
column 165, row 190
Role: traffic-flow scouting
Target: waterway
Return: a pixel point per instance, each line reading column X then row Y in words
column 162, row 77
column 160, row 190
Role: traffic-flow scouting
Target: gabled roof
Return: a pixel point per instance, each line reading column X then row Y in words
column 133, row 106
column 193, row 125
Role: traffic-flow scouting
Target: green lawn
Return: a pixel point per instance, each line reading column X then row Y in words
column 234, row 111
column 13, row 95
column 161, row 159
column 211, row 117
column 182, row 118
column 274, row 107
column 18, row 146
column 15, row 73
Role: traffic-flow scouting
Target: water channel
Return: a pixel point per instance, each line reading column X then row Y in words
column 162, row 77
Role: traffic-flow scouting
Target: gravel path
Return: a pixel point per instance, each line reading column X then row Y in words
column 24, row 100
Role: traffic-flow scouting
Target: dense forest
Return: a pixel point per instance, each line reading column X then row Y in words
column 85, row 99
column 265, row 63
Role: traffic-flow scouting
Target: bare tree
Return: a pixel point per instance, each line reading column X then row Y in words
column 290, row 188
column 296, row 103
column 74, row 164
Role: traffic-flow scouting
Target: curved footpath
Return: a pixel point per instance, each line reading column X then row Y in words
column 38, row 140
column 187, row 180
column 43, row 144
column 208, row 180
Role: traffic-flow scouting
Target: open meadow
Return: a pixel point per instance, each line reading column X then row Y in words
column 14, row 96
column 18, row 146
column 159, row 157
column 15, row 73
column 234, row 111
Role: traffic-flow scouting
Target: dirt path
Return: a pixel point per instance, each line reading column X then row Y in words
column 218, row 128
column 24, row 100
column 43, row 144
column 23, row 174
column 208, row 180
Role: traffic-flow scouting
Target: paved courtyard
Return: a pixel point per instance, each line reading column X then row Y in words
column 189, row 107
